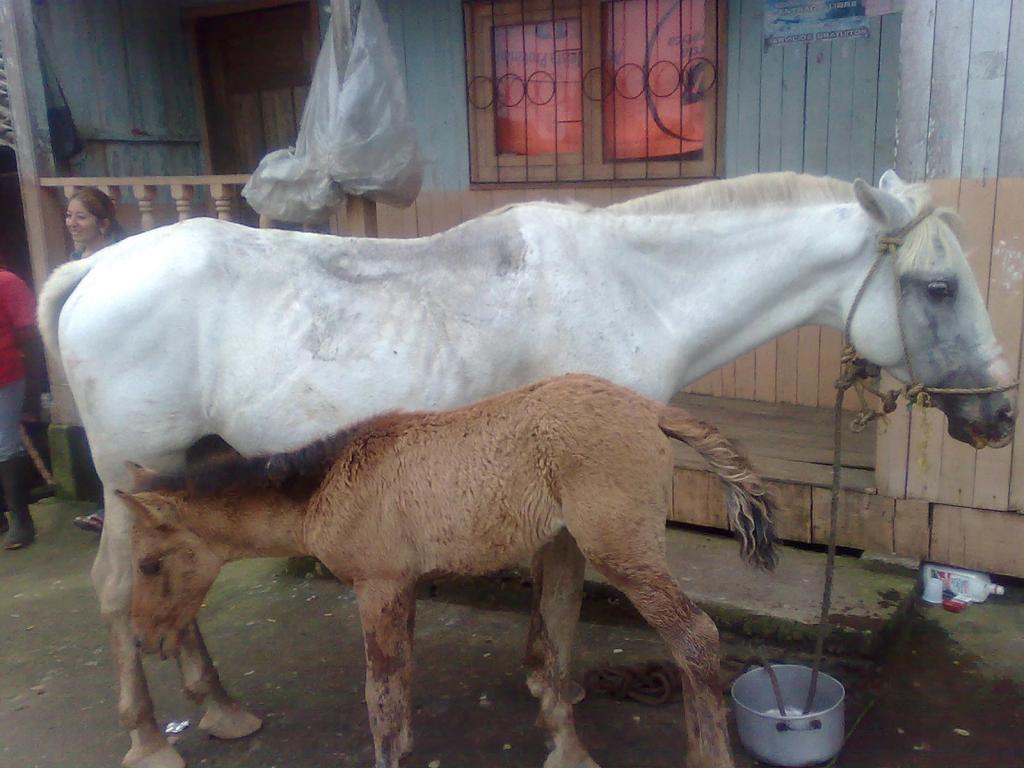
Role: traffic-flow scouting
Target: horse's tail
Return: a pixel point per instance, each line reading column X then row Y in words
column 751, row 505
column 58, row 287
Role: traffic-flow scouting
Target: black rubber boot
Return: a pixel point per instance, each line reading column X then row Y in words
column 14, row 478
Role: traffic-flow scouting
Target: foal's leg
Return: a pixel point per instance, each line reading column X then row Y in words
column 111, row 576
column 557, row 592
column 224, row 718
column 692, row 638
column 387, row 610
column 636, row 565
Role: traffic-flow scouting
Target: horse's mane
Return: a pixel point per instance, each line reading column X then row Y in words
column 299, row 470
column 784, row 189
column 789, row 190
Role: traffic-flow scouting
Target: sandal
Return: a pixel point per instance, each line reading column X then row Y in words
column 91, row 522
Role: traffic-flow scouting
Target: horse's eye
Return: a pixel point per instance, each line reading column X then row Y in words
column 940, row 289
column 150, row 567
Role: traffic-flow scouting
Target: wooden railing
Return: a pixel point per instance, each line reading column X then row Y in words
column 164, row 199
column 149, row 192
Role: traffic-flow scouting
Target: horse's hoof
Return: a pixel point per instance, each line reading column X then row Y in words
column 230, row 722
column 163, row 757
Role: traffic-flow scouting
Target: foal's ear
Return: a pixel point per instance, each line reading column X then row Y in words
column 151, row 515
column 883, row 207
column 139, row 477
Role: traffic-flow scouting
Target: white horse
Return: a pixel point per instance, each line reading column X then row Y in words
column 271, row 339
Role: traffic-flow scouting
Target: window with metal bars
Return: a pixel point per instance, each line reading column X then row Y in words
column 570, row 90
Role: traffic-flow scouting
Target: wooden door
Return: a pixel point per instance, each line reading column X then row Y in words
column 254, row 68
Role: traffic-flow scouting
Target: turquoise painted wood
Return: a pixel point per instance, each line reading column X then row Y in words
column 770, row 139
column 747, row 79
column 986, row 86
column 865, row 103
column 1011, row 151
column 819, row 71
column 840, row 125
column 433, row 49
column 125, row 72
column 794, row 69
column 732, row 53
column 819, row 108
column 886, row 105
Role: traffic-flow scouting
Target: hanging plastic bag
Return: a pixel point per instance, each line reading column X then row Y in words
column 356, row 135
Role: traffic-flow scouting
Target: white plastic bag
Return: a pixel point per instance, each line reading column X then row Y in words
column 356, row 135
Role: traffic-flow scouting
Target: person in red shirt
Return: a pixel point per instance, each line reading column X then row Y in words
column 17, row 335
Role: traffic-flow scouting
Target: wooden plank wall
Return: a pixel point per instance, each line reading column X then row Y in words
column 125, row 72
column 823, row 108
column 435, row 211
column 961, row 128
column 429, row 40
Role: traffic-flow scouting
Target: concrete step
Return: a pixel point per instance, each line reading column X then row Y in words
column 870, row 596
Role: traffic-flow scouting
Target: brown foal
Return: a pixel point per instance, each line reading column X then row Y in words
column 567, row 470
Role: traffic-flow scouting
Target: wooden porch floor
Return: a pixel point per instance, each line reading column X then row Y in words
column 788, row 443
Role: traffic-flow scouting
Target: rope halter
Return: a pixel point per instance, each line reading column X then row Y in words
column 855, row 372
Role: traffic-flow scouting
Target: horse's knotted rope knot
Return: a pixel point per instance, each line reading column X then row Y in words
column 652, row 683
column 889, row 244
column 861, row 420
column 854, row 369
column 889, row 400
column 917, row 394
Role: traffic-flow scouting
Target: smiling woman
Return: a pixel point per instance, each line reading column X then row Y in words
column 91, row 222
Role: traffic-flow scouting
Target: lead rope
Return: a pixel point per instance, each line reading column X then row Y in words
column 853, row 373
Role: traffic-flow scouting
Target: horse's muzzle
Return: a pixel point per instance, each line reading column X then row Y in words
column 986, row 421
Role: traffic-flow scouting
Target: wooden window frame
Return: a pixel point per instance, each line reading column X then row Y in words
column 487, row 167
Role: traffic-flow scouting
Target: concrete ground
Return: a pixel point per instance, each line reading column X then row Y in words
column 946, row 690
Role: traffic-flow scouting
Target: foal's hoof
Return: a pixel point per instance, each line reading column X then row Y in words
column 585, row 762
column 570, row 758
column 164, row 757
column 230, row 722
column 574, row 692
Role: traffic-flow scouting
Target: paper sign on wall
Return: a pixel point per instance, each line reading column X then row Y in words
column 808, row 21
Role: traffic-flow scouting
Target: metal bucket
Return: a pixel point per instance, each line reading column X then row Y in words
column 796, row 739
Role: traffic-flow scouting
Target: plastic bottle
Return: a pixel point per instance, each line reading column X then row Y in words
column 962, row 584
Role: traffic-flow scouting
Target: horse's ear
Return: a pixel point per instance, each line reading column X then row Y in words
column 891, row 182
column 883, row 207
column 139, row 477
